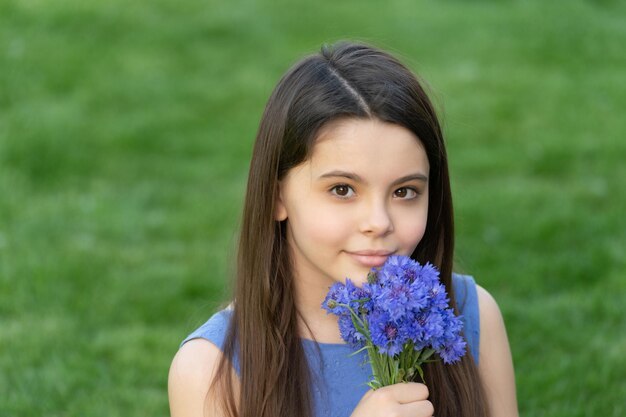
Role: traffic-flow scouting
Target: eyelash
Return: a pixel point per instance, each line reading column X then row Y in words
column 343, row 197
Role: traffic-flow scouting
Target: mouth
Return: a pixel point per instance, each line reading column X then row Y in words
column 370, row 258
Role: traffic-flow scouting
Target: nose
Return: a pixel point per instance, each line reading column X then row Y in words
column 377, row 219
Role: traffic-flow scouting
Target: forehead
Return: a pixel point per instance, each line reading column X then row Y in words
column 365, row 143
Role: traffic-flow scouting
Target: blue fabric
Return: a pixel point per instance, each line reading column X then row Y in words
column 340, row 380
column 466, row 298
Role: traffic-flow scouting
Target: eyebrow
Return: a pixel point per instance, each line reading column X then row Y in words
column 354, row 177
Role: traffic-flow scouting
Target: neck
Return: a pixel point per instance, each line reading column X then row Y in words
column 314, row 322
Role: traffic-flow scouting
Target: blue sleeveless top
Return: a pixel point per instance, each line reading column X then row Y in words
column 339, row 380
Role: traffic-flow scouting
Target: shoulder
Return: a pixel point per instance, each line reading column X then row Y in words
column 495, row 365
column 490, row 315
column 190, row 376
column 214, row 330
column 492, row 330
column 194, row 367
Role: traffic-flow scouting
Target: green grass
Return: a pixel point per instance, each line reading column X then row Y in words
column 125, row 133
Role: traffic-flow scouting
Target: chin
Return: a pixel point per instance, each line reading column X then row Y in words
column 359, row 278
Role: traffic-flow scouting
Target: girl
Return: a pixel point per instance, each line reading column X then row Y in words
column 349, row 168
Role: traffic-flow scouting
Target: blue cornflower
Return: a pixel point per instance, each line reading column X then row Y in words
column 429, row 274
column 396, row 268
column 394, row 297
column 432, row 328
column 385, row 333
column 453, row 351
column 341, row 295
column 349, row 333
column 402, row 315
column 438, row 297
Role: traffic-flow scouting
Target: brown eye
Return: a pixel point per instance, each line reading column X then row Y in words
column 342, row 190
column 401, row 192
column 405, row 192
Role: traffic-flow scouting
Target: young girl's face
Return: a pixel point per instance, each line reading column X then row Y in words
column 361, row 197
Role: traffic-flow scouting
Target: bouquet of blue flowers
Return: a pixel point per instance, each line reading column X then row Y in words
column 401, row 316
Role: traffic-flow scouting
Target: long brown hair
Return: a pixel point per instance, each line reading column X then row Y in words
column 346, row 80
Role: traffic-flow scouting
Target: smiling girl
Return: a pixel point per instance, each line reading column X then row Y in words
column 349, row 167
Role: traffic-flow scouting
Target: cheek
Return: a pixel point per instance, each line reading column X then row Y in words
column 412, row 231
column 323, row 226
column 331, row 228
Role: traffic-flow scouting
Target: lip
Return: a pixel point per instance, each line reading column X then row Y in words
column 370, row 258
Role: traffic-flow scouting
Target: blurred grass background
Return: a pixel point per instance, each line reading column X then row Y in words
column 125, row 134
